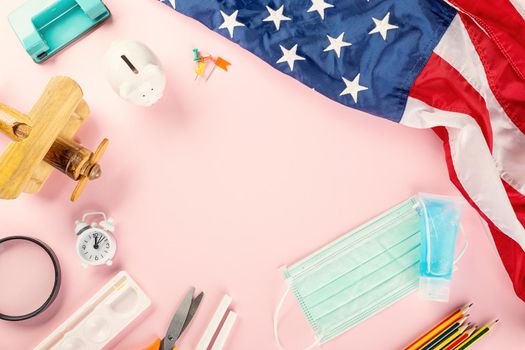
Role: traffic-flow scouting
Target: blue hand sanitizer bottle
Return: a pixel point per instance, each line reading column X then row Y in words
column 440, row 221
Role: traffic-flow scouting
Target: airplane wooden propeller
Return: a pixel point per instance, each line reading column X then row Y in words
column 43, row 140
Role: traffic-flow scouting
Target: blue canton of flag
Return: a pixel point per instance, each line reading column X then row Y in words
column 363, row 54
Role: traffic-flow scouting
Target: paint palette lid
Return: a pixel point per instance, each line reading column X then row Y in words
column 96, row 323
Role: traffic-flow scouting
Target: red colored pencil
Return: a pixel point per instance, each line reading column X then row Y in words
column 437, row 329
column 460, row 339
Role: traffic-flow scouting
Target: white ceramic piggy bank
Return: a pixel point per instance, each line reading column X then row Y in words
column 134, row 72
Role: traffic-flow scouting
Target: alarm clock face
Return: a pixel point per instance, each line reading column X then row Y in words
column 96, row 247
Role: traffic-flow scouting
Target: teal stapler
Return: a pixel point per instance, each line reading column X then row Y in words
column 46, row 26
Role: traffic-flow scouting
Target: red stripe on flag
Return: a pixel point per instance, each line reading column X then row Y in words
column 510, row 252
column 514, row 259
column 505, row 26
column 441, row 86
column 505, row 83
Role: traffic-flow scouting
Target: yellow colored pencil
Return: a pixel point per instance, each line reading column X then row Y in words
column 451, row 337
column 461, row 338
column 438, row 338
column 438, row 329
column 476, row 336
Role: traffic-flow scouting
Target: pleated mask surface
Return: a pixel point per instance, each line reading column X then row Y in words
column 361, row 273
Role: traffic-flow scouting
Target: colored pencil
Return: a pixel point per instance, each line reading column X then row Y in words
column 460, row 339
column 437, row 340
column 454, row 335
column 437, row 329
column 476, row 336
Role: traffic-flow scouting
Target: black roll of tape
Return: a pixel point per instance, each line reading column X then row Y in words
column 56, row 284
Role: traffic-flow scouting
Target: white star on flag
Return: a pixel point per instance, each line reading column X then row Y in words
column 336, row 44
column 319, row 6
column 353, row 87
column 382, row 26
column 276, row 16
column 230, row 22
column 290, row 56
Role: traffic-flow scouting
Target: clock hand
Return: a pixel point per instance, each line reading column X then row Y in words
column 102, row 238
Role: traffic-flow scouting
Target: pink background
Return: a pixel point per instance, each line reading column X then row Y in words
column 220, row 184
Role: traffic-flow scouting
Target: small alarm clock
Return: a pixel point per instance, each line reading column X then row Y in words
column 95, row 243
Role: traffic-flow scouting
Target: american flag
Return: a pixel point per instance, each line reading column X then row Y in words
column 456, row 66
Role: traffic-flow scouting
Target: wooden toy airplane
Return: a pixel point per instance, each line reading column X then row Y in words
column 43, row 140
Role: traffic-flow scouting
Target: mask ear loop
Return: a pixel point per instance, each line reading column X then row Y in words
column 489, row 235
column 427, row 219
column 465, row 245
column 276, row 321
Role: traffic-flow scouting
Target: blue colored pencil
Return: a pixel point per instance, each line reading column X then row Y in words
column 445, row 333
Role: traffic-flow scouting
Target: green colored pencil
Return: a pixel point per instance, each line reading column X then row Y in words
column 476, row 336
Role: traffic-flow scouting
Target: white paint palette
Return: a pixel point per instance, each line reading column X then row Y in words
column 101, row 318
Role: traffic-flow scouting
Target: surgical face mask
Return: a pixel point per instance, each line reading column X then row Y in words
column 359, row 274
column 375, row 265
